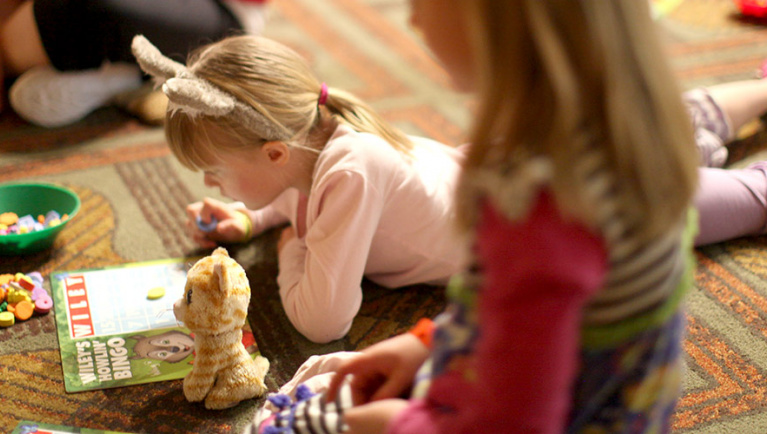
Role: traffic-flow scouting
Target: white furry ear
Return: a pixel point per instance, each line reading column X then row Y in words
column 194, row 96
column 153, row 62
column 197, row 96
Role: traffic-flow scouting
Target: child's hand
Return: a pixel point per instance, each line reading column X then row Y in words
column 381, row 371
column 373, row 417
column 231, row 227
column 315, row 373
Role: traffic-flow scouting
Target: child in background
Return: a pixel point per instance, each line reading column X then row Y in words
column 70, row 57
column 731, row 202
column 577, row 195
column 363, row 199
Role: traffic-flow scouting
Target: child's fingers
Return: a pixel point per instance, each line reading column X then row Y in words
column 193, row 210
column 230, row 230
column 393, row 387
column 333, row 386
column 335, row 383
column 215, row 208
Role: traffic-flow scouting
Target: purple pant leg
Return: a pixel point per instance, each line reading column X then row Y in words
column 731, row 202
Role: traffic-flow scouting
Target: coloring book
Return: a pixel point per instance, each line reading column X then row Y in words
column 116, row 325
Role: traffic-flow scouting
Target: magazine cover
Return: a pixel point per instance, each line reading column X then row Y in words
column 29, row 427
column 116, row 325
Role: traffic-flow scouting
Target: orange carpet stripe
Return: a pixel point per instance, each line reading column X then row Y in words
column 398, row 41
column 377, row 82
column 681, row 49
column 725, row 386
column 431, row 122
column 82, row 162
column 736, row 295
column 745, row 371
column 743, row 64
column 729, row 397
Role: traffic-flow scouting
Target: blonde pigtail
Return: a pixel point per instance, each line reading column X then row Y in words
column 361, row 117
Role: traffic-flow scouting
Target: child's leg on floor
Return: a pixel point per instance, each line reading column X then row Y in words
column 741, row 101
column 732, row 203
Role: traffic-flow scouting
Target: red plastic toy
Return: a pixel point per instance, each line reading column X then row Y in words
column 753, row 8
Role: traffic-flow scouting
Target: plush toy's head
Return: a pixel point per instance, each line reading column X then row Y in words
column 216, row 296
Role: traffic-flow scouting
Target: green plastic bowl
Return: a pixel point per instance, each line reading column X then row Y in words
column 35, row 199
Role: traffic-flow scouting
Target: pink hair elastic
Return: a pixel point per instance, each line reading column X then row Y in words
column 323, row 94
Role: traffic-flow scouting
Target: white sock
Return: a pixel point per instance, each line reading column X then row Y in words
column 50, row 98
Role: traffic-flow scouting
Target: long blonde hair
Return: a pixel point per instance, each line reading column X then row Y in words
column 276, row 82
column 556, row 76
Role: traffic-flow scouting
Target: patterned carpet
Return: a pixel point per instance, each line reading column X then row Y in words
column 133, row 195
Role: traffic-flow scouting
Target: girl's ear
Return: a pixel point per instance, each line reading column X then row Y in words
column 276, row 152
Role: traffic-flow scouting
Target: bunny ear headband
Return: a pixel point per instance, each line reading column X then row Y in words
column 197, row 95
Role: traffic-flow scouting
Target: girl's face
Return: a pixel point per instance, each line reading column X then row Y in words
column 444, row 29
column 248, row 176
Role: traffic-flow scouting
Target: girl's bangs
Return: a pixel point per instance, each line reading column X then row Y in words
column 191, row 141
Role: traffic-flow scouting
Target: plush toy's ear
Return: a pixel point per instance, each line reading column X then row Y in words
column 221, row 251
column 222, row 272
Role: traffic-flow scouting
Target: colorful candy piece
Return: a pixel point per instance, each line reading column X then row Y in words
column 9, row 218
column 11, row 223
column 7, row 319
column 24, row 310
column 36, row 277
column 43, row 304
column 24, row 297
column 26, row 221
column 51, row 215
column 38, row 292
column 5, row 278
column 16, row 293
column 155, row 293
column 25, row 282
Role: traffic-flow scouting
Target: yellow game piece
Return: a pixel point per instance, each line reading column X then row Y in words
column 9, row 218
column 7, row 319
column 17, row 294
column 155, row 293
column 5, row 278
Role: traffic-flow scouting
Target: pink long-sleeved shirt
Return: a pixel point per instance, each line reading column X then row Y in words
column 372, row 212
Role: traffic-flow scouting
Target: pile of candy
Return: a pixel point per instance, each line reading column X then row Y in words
column 11, row 223
column 21, row 296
